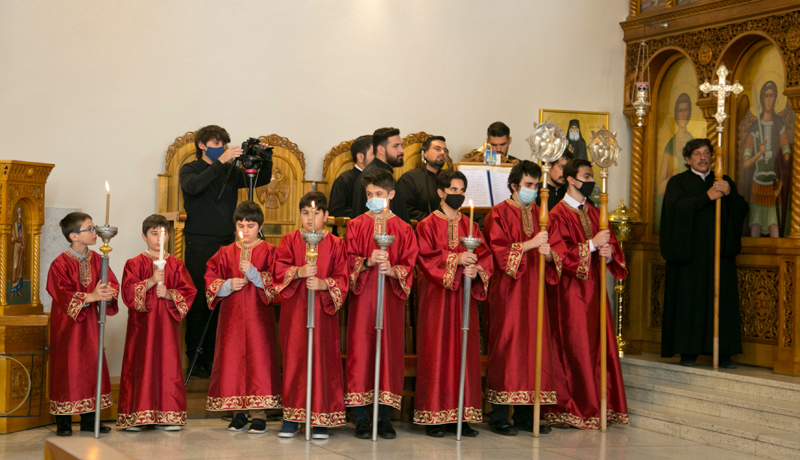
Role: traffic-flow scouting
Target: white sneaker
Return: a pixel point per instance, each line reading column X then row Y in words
column 320, row 432
column 168, row 427
column 133, row 428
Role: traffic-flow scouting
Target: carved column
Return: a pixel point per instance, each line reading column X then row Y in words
column 637, row 158
column 794, row 101
column 633, row 9
column 37, row 232
column 178, row 244
column 4, row 238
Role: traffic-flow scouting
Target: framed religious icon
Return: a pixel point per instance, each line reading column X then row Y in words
column 764, row 138
column 578, row 127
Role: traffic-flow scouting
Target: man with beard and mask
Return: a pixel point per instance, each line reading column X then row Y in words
column 555, row 181
column 498, row 135
column 687, row 244
column 209, row 224
column 577, row 243
column 576, row 143
column 388, row 147
column 418, row 186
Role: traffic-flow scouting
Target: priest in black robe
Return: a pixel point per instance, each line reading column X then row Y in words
column 341, row 199
column 687, row 244
column 388, row 147
column 418, row 186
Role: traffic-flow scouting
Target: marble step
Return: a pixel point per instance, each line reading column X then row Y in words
column 769, row 412
column 780, row 388
column 749, row 438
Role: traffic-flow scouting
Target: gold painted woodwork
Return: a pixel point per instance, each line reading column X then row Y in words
column 476, row 156
column 709, row 34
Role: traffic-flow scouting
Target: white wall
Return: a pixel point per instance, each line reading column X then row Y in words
column 102, row 88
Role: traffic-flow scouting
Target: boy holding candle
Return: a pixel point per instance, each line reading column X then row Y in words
column 74, row 282
column 365, row 261
column 297, row 276
column 158, row 290
column 443, row 263
column 245, row 375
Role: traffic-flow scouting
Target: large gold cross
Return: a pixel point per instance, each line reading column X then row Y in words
column 722, row 89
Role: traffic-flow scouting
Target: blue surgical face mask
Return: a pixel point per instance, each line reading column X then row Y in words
column 527, row 196
column 214, row 152
column 376, row 205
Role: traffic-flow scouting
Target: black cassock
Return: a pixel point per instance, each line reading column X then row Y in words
column 687, row 244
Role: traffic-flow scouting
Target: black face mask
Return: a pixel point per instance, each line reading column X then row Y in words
column 586, row 188
column 454, row 201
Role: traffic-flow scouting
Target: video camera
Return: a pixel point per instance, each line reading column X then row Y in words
column 254, row 155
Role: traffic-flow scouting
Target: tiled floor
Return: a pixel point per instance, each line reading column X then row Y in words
column 208, row 439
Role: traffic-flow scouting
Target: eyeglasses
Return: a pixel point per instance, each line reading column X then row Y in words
column 90, row 229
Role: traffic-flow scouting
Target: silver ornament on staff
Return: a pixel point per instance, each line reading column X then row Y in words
column 312, row 239
column 604, row 150
column 470, row 243
column 547, row 142
column 722, row 89
column 106, row 232
column 383, row 240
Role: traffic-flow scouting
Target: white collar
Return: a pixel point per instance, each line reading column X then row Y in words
column 573, row 202
column 356, row 166
column 702, row 176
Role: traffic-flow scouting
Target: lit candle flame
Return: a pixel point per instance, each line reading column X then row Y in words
column 470, row 203
column 107, row 189
column 241, row 236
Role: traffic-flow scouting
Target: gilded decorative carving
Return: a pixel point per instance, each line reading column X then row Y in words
column 637, row 160
column 758, row 302
column 277, row 141
column 633, row 8
column 3, row 269
column 177, row 250
column 670, row 15
column 794, row 102
column 37, row 233
column 17, row 190
column 26, row 173
column 476, row 156
column 336, row 151
column 705, row 54
column 793, row 38
column 19, row 383
column 173, row 149
column 415, row 138
column 275, row 194
column 788, row 303
column 659, row 272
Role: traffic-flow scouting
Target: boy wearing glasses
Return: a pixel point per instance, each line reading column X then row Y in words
column 74, row 283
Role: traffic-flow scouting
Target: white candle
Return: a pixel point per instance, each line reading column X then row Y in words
column 471, row 213
column 161, row 244
column 313, row 217
column 108, row 201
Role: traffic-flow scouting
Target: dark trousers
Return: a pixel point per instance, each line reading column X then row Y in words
column 521, row 413
column 87, row 420
column 197, row 254
column 363, row 412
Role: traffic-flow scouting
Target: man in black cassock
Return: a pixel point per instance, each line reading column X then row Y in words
column 341, row 199
column 388, row 147
column 576, row 143
column 556, row 182
column 687, row 244
column 418, row 186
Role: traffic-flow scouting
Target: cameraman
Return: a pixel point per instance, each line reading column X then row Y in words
column 209, row 224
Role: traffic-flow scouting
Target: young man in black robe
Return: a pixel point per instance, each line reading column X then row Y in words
column 556, row 181
column 687, row 244
column 418, row 186
column 341, row 197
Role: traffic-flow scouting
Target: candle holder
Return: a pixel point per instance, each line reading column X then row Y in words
column 470, row 243
column 383, row 240
column 106, row 232
column 312, row 239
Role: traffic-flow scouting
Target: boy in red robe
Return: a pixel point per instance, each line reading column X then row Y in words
column 295, row 277
column 158, row 294
column 245, row 374
column 74, row 283
column 443, row 262
column 365, row 261
column 577, row 245
column 512, row 231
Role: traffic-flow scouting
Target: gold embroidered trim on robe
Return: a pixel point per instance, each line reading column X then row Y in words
column 180, row 302
column 585, row 262
column 450, row 271
column 402, row 276
column 287, row 278
column 213, row 289
column 246, row 253
column 356, row 271
column 269, row 289
column 558, row 262
column 525, row 216
column 591, row 423
column 326, row 419
column 425, row 417
column 336, row 293
column 84, row 266
column 377, row 226
column 362, row 399
column 76, row 304
column 243, row 402
column 484, row 278
column 519, row 397
column 452, row 228
column 139, row 296
column 514, row 258
column 82, row 406
column 151, row 417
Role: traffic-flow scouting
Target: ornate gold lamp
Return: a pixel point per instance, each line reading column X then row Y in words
column 627, row 226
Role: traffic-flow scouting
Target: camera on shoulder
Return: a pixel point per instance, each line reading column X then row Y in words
column 254, row 155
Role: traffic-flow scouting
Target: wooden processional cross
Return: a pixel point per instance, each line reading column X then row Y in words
column 722, row 90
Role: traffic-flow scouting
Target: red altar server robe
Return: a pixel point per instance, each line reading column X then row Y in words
column 245, row 374
column 575, row 320
column 327, row 399
column 360, row 368
column 151, row 386
column 439, row 322
column 513, row 306
column 74, row 334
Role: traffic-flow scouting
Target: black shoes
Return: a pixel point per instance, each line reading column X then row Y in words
column 466, row 430
column 103, row 428
column 726, row 362
column 436, row 431
column 239, row 423
column 688, row 360
column 385, row 430
column 258, row 426
column 363, row 429
column 527, row 425
column 201, row 370
column 63, row 429
column 504, row 428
